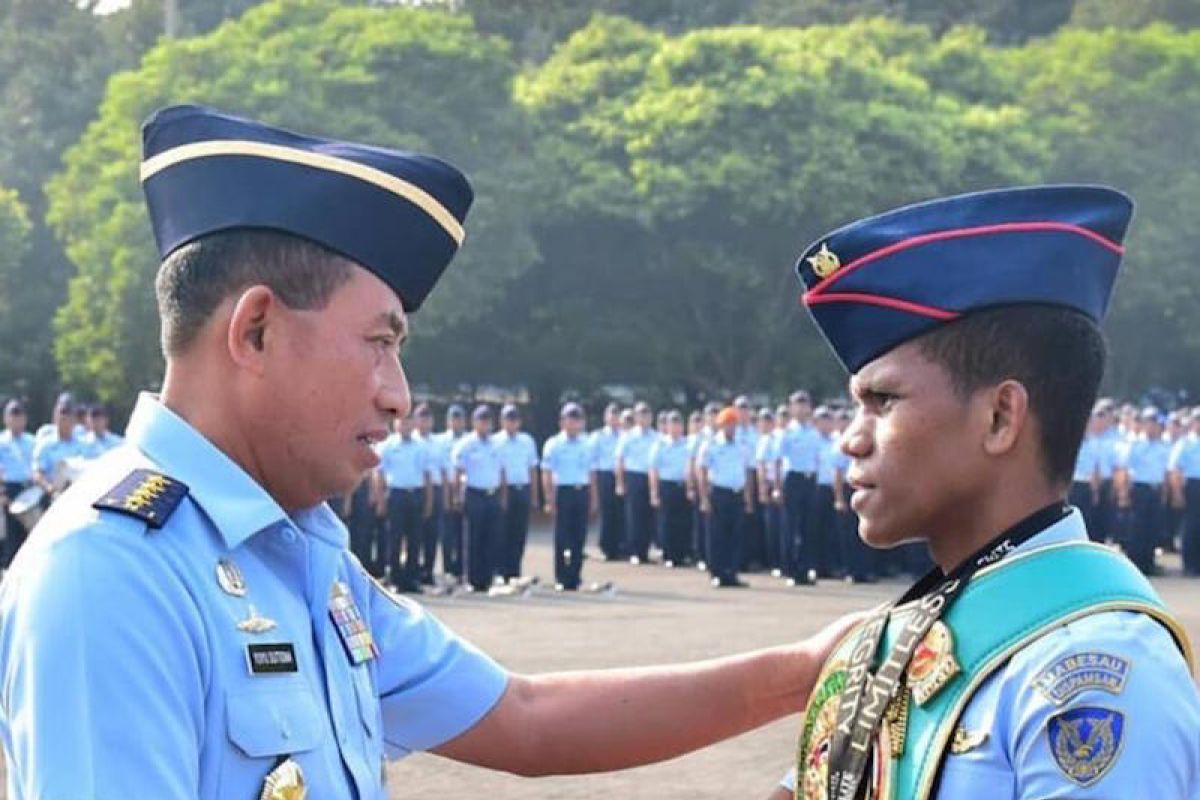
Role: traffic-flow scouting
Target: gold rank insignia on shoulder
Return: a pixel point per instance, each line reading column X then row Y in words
column 933, row 664
column 285, row 782
column 146, row 495
column 825, row 262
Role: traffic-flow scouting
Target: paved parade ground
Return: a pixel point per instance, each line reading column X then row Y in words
column 656, row 616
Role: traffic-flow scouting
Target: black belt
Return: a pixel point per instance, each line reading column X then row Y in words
column 727, row 489
column 484, row 492
column 406, row 489
column 809, row 475
column 578, row 487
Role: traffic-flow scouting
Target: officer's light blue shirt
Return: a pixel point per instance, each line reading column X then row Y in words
column 800, row 448
column 604, row 448
column 404, row 462
column 766, row 455
column 827, row 460
column 669, row 458
column 479, row 461
column 441, row 446
column 1158, row 753
column 96, row 445
column 747, row 437
column 633, row 449
column 1185, row 457
column 126, row 675
column 1146, row 459
column 50, row 451
column 726, row 462
column 16, row 457
column 568, row 459
column 518, row 455
column 1107, row 453
column 1087, row 464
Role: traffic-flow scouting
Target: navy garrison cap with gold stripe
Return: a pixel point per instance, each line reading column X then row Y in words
column 879, row 282
column 399, row 215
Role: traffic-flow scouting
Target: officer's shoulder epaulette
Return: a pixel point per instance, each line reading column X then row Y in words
column 146, row 495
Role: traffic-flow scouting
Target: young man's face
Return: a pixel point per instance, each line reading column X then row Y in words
column 612, row 418
column 15, row 422
column 456, row 424
column 331, row 383
column 512, row 424
column 915, row 448
column 425, row 423
column 572, row 425
column 800, row 411
column 675, row 428
column 482, row 426
column 98, row 423
column 64, row 420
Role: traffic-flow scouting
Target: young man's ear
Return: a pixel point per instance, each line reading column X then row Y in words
column 1008, row 406
column 248, row 327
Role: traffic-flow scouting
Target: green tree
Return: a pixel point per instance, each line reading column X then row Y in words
column 1135, row 13
column 694, row 168
column 1122, row 107
column 416, row 79
column 17, row 328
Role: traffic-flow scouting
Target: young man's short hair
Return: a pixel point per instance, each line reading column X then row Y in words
column 1057, row 354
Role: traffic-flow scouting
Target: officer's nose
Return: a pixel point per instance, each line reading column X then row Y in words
column 394, row 398
column 858, row 439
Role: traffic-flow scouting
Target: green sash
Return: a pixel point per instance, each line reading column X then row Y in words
column 1003, row 609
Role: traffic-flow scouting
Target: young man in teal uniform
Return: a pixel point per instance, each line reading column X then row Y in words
column 1031, row 663
column 186, row 622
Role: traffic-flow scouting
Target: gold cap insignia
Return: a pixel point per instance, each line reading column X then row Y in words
column 285, row 782
column 825, row 262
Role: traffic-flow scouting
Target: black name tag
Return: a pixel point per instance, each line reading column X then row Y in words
column 265, row 659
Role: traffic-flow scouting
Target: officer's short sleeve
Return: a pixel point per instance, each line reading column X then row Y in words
column 1103, row 708
column 104, row 672
column 433, row 685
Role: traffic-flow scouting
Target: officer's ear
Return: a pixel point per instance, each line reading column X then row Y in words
column 1007, row 406
column 247, row 334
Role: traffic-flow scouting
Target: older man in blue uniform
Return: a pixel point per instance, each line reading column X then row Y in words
column 1031, row 663
column 187, row 622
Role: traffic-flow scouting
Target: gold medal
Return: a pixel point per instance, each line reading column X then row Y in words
column 933, row 664
column 285, row 782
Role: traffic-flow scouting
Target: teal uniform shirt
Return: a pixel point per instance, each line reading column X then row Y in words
column 1116, row 661
column 16, row 457
column 126, row 660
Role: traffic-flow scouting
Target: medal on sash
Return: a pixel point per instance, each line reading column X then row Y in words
column 352, row 630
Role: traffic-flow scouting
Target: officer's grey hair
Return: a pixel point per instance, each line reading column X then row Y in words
column 198, row 277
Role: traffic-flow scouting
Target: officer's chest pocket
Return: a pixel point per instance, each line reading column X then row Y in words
column 268, row 721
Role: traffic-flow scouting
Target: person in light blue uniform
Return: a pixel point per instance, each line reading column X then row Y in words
column 51, row 451
column 99, row 439
column 724, row 471
column 452, row 514
column 16, row 471
column 519, row 457
column 1031, row 662
column 186, row 623
column 633, row 483
column 766, row 465
column 570, row 489
column 822, row 510
column 1107, row 442
column 754, row 535
column 668, row 492
column 1184, row 466
column 799, row 455
column 435, row 461
column 696, row 436
column 406, row 500
column 603, row 442
column 482, row 490
column 1142, row 464
column 1085, row 482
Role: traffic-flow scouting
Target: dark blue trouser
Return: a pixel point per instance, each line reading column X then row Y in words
column 1146, row 521
column 822, row 529
column 452, row 541
column 431, row 529
column 484, row 526
column 364, row 530
column 639, row 516
column 773, row 527
column 1191, row 527
column 612, row 515
column 570, row 533
column 796, row 555
column 754, row 537
column 1080, row 496
column 15, row 531
column 699, row 533
column 404, row 507
column 674, row 521
column 1104, row 514
column 725, row 533
column 516, row 531
column 858, row 559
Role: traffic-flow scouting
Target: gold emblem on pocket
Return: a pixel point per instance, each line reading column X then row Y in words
column 285, row 782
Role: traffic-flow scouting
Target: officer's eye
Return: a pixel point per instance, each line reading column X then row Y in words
column 388, row 343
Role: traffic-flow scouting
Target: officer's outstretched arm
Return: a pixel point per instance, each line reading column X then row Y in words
column 577, row 722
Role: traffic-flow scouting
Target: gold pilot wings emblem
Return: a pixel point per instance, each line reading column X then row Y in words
column 146, row 495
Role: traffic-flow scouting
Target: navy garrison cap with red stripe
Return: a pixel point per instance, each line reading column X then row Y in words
column 399, row 215
column 879, row 282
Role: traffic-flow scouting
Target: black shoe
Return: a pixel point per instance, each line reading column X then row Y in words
column 729, row 583
column 566, row 587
